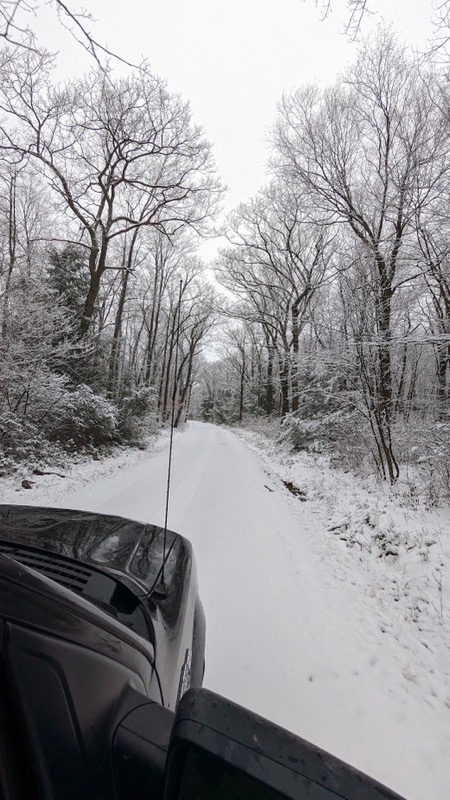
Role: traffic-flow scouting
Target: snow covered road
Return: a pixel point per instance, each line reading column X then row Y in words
column 292, row 629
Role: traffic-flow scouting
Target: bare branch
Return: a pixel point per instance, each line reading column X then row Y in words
column 15, row 29
column 74, row 23
column 357, row 10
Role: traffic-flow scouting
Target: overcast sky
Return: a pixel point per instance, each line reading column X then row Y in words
column 232, row 59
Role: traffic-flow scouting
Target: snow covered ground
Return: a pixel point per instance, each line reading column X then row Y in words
column 327, row 602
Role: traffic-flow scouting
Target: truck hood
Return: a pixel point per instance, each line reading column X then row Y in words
column 113, row 544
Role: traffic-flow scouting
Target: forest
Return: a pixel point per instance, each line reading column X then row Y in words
column 326, row 311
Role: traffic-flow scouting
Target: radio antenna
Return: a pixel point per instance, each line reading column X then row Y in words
column 161, row 587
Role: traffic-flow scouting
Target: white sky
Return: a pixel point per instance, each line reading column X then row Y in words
column 232, row 59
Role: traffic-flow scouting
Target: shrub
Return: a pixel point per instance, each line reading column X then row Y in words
column 21, row 441
column 137, row 414
column 82, row 418
column 343, row 435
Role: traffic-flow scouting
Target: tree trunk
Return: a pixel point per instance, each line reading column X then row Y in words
column 97, row 266
column 295, row 350
column 384, row 368
column 127, row 264
column 115, row 346
column 284, row 386
column 12, row 244
column 241, row 393
column 269, row 394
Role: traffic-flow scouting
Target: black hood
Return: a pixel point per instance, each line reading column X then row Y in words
column 111, row 543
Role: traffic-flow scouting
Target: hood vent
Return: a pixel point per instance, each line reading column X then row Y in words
column 72, row 576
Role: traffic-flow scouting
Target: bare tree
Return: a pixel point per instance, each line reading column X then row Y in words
column 363, row 150
column 164, row 267
column 277, row 262
column 434, row 242
column 24, row 226
column 121, row 154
